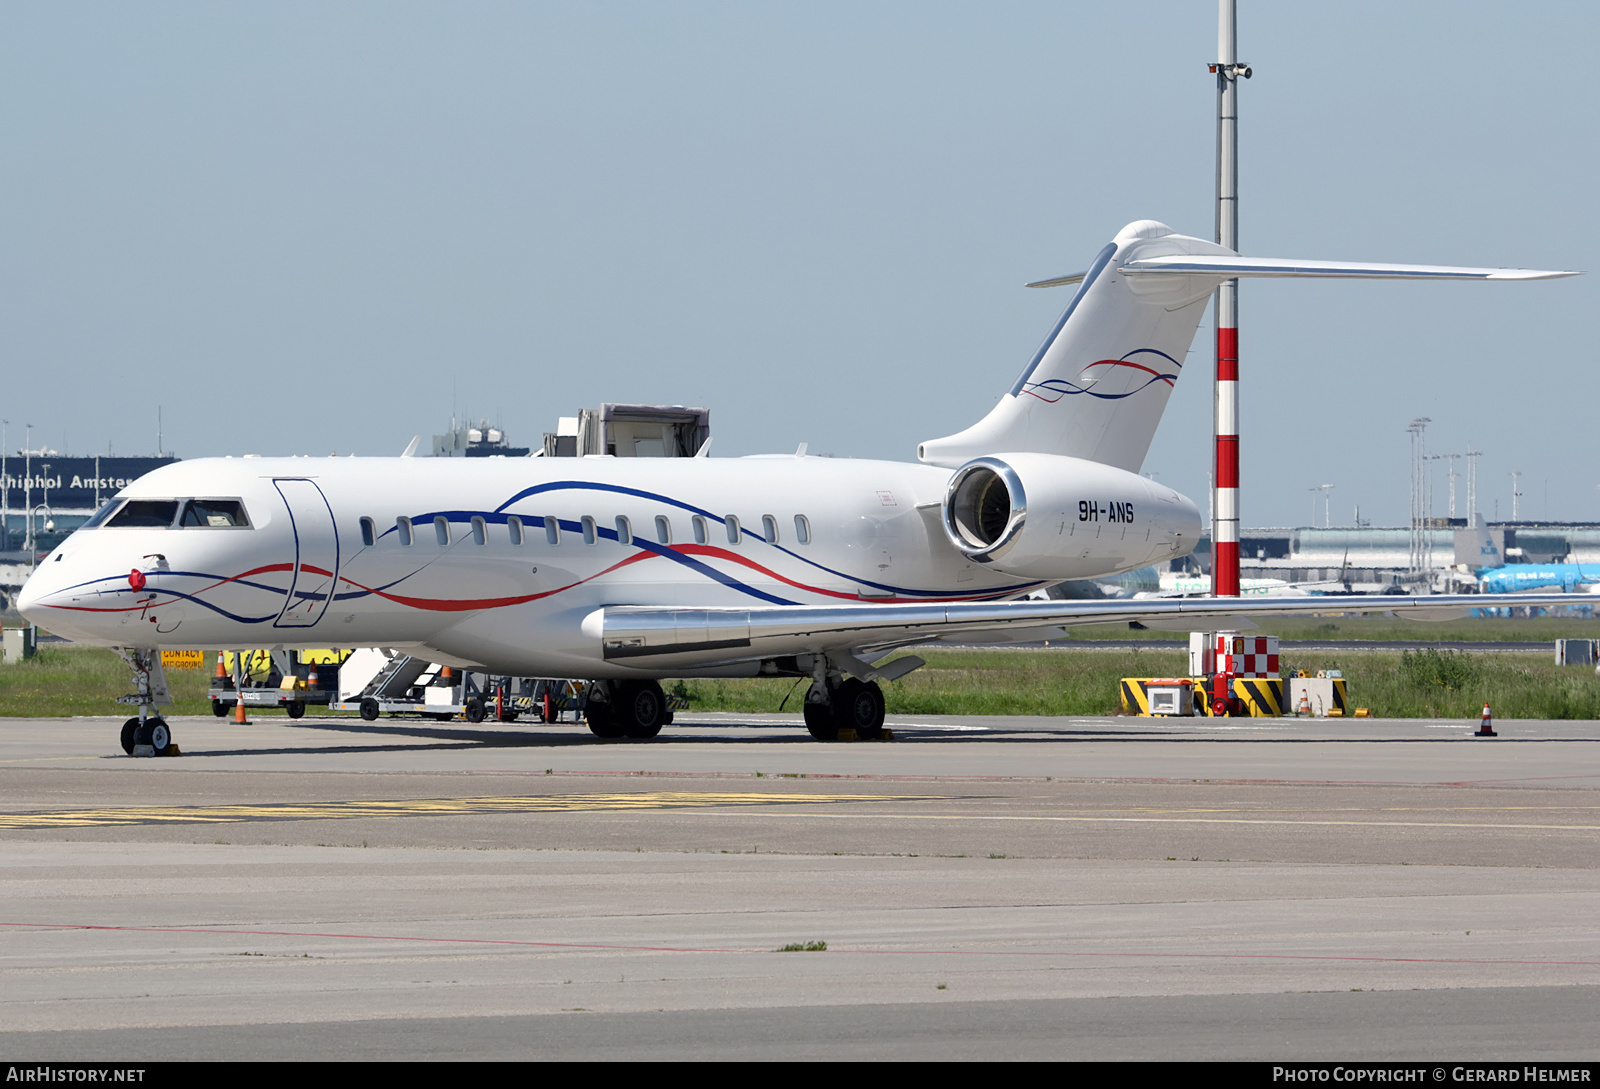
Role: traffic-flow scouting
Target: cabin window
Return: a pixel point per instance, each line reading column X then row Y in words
column 402, row 528
column 663, row 529
column 624, row 530
column 145, row 514
column 480, row 531
column 732, row 524
column 441, row 530
column 514, row 528
column 802, row 529
column 699, row 524
column 770, row 525
column 369, row 532
column 213, row 514
column 589, row 535
column 552, row 531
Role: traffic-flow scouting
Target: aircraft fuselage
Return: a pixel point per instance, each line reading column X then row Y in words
column 494, row 563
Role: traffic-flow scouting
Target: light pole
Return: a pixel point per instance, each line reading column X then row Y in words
column 5, row 485
column 1421, row 541
column 1327, row 501
column 27, row 488
column 1225, row 406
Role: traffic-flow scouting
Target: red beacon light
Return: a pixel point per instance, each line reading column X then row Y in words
column 136, row 579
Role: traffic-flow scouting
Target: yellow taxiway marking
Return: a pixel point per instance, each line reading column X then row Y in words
column 1182, row 820
column 1356, row 809
column 430, row 807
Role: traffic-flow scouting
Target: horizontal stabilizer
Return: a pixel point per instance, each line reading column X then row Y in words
column 1234, row 266
column 1060, row 281
column 1187, row 265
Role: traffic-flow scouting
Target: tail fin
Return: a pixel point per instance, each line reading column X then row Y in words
column 1097, row 386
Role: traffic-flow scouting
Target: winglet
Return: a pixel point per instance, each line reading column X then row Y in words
column 411, row 447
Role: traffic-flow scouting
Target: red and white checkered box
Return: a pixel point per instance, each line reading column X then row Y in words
column 1247, row 655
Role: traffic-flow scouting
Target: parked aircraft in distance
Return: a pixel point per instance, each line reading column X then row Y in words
column 1180, row 584
column 1572, row 578
column 626, row 571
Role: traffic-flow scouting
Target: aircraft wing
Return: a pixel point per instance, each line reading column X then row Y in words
column 655, row 638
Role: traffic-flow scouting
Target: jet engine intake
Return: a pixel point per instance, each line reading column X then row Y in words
column 1045, row 516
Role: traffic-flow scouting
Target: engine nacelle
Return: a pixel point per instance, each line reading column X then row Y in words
column 1043, row 516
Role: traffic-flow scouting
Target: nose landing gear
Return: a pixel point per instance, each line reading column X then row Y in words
column 148, row 734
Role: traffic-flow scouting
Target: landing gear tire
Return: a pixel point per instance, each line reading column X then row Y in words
column 602, row 715
column 155, row 732
column 475, row 711
column 640, row 709
column 369, row 709
column 819, row 721
column 600, row 721
column 859, row 707
column 219, row 708
column 295, row 708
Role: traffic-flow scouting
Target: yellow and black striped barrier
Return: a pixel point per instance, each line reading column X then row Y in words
column 1135, row 698
column 1260, row 697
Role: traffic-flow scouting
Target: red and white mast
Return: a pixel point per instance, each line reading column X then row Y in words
column 1225, row 470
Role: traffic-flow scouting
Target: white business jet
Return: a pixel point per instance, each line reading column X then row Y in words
column 625, row 571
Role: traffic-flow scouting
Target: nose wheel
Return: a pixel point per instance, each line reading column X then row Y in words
column 151, row 738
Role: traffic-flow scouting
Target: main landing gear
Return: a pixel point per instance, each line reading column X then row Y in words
column 148, row 734
column 844, row 704
column 636, row 709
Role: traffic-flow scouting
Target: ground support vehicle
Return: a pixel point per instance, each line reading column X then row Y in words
column 268, row 679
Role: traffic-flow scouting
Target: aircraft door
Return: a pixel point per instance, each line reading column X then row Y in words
column 316, row 553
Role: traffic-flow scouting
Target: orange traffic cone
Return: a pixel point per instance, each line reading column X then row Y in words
column 311, row 678
column 1305, row 704
column 1486, row 727
column 239, row 718
column 221, row 673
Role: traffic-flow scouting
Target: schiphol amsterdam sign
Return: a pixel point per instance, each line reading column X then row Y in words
column 70, row 483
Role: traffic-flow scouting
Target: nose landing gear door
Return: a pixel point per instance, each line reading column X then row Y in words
column 316, row 553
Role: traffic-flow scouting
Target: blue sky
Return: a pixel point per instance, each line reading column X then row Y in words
column 315, row 227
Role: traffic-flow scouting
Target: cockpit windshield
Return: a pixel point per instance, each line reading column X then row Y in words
column 163, row 513
column 102, row 514
column 145, row 514
column 213, row 513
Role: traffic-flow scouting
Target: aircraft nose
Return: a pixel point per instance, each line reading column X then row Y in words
column 29, row 599
column 50, row 584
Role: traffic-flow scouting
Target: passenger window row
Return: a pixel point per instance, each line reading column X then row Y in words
column 516, row 529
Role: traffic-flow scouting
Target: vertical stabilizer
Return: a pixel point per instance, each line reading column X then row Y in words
column 1097, row 386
